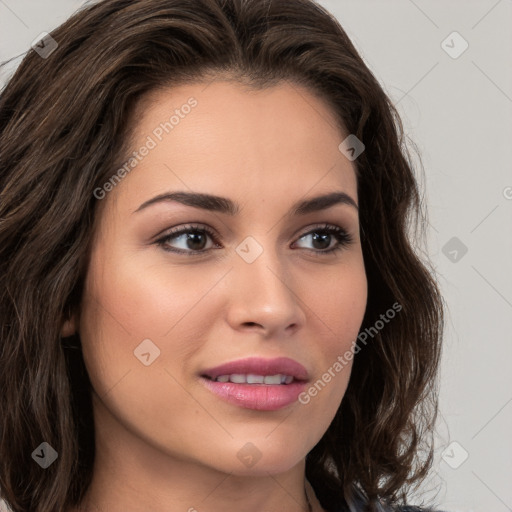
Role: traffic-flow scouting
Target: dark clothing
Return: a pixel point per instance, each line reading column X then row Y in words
column 407, row 508
column 359, row 502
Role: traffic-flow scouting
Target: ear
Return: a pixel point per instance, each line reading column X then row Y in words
column 68, row 327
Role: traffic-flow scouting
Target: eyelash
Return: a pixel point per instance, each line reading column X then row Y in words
column 344, row 239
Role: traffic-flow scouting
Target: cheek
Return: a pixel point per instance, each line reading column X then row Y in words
column 144, row 300
column 337, row 303
column 157, row 309
column 336, row 314
column 126, row 303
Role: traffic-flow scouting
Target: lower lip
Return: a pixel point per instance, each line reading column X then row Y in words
column 260, row 397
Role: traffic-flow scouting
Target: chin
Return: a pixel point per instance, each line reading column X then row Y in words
column 260, row 457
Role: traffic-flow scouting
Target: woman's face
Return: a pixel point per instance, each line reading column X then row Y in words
column 161, row 311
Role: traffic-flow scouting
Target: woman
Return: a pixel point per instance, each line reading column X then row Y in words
column 209, row 295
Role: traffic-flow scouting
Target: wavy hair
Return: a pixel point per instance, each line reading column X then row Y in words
column 64, row 124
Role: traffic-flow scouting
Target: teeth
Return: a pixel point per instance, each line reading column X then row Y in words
column 251, row 378
column 255, row 379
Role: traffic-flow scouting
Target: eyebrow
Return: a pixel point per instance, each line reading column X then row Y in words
column 227, row 206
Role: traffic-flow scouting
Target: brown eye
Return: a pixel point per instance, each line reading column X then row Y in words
column 188, row 240
column 322, row 239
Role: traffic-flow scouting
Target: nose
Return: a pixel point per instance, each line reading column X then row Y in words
column 263, row 296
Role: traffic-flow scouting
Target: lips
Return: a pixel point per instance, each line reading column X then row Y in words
column 258, row 384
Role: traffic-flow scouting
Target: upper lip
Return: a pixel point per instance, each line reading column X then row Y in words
column 259, row 366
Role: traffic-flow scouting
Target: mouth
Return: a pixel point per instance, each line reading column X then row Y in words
column 256, row 383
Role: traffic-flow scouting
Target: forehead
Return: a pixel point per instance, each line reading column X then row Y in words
column 232, row 98
column 223, row 136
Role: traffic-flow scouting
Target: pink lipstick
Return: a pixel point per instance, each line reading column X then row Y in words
column 256, row 383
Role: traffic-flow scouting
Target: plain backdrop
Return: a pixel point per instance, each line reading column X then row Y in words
column 446, row 66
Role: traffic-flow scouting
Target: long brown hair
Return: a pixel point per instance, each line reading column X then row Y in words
column 64, row 123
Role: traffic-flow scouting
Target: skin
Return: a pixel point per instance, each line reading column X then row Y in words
column 163, row 441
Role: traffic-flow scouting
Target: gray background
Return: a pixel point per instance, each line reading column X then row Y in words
column 459, row 113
